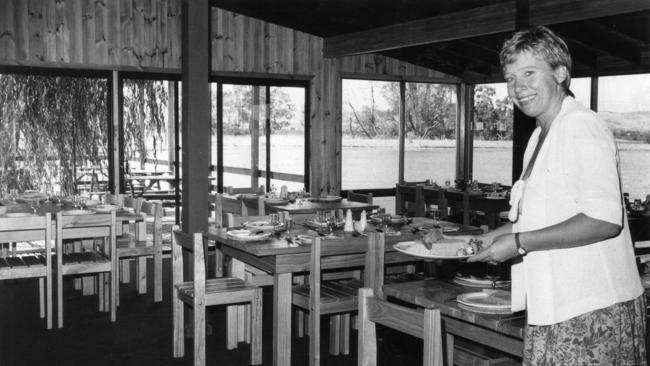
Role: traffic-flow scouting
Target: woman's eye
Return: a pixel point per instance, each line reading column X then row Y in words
column 509, row 79
column 528, row 73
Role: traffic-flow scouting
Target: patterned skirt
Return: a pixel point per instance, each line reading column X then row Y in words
column 614, row 335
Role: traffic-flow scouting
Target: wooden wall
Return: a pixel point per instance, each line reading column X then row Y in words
column 145, row 35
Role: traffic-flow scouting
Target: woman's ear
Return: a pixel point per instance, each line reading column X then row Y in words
column 560, row 73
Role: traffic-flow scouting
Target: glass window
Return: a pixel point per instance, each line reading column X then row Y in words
column 245, row 146
column 370, row 146
column 53, row 133
column 492, row 134
column 430, row 132
column 624, row 102
column 581, row 87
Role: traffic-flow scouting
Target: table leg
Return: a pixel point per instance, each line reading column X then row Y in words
column 282, row 319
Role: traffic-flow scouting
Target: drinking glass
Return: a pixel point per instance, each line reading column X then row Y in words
column 14, row 194
column 435, row 215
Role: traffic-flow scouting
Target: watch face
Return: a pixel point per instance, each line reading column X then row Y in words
column 522, row 251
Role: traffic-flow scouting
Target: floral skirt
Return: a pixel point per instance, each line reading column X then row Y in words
column 614, row 335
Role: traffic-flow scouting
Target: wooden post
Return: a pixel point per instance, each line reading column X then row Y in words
column 255, row 136
column 196, row 114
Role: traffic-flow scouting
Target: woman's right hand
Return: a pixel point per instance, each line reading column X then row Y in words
column 500, row 249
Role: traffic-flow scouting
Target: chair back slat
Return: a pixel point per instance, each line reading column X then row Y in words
column 224, row 205
column 192, row 243
column 360, row 197
column 114, row 199
column 133, row 204
column 15, row 229
column 237, row 190
column 374, row 269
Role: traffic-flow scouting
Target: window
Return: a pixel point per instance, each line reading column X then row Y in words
column 624, row 102
column 263, row 135
column 54, row 132
column 492, row 134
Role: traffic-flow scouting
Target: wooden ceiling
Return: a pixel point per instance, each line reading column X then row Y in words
column 462, row 37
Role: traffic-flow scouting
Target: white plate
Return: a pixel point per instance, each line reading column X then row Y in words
column 326, row 199
column 19, row 214
column 474, row 281
column 77, row 212
column 488, row 299
column 443, row 249
column 31, row 196
column 106, row 208
column 247, row 235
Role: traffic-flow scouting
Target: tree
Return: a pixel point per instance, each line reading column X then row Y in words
column 495, row 115
column 237, row 111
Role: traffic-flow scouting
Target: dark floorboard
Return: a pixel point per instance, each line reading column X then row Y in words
column 142, row 334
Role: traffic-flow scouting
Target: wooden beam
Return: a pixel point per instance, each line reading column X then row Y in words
column 496, row 18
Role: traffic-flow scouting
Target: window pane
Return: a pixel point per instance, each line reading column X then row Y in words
column 148, row 130
column 492, row 134
column 430, row 141
column 288, row 136
column 624, row 102
column 53, row 133
column 581, row 87
column 370, row 146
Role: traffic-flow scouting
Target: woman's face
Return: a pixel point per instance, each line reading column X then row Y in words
column 534, row 87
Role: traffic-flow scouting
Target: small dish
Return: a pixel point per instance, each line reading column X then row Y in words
column 248, row 235
column 77, row 212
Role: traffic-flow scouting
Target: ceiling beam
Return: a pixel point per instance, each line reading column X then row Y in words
column 496, row 18
column 607, row 41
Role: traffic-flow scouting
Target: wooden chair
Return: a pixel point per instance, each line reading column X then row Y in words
column 15, row 265
column 374, row 309
column 201, row 292
column 93, row 259
column 360, row 197
column 338, row 299
column 459, row 202
column 141, row 246
column 409, row 199
column 114, row 199
column 132, row 232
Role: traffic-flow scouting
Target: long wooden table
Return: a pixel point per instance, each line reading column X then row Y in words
column 502, row 332
column 283, row 259
column 305, row 206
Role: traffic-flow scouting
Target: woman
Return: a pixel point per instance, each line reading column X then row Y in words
column 575, row 269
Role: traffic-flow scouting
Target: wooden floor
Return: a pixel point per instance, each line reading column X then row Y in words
column 142, row 334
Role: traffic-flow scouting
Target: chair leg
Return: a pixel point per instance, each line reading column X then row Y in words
column 141, row 270
column 199, row 333
column 113, row 295
column 449, row 348
column 178, row 325
column 367, row 338
column 345, row 334
column 300, row 323
column 335, row 329
column 157, row 272
column 256, row 328
column 231, row 327
column 41, row 297
column 432, row 338
column 59, row 296
column 101, row 292
column 247, row 322
column 48, row 289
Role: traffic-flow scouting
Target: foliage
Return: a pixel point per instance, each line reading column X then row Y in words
column 430, row 111
column 494, row 115
column 238, row 111
column 49, row 126
column 145, row 104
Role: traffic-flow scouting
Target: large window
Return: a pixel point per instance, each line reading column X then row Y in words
column 624, row 102
column 263, row 135
column 371, row 134
column 53, row 133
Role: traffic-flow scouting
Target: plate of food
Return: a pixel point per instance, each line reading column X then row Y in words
column 18, row 214
column 326, row 199
column 248, row 235
column 435, row 245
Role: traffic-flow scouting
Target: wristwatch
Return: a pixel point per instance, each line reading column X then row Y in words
column 520, row 250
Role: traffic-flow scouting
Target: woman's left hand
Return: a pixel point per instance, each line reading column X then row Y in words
column 503, row 248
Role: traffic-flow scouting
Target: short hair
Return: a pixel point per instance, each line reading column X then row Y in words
column 541, row 42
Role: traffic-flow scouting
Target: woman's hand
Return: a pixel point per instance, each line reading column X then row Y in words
column 502, row 248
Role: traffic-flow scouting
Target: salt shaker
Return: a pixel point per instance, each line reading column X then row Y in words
column 363, row 221
column 349, row 227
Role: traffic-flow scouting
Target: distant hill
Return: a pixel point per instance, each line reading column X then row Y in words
column 629, row 121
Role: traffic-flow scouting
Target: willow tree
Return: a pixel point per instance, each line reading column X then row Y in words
column 49, row 126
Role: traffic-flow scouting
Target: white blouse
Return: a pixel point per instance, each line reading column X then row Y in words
column 576, row 171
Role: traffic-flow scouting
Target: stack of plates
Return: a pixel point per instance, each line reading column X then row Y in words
column 483, row 282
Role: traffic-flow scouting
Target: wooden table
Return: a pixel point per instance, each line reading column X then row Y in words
column 147, row 181
column 502, row 332
column 282, row 259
